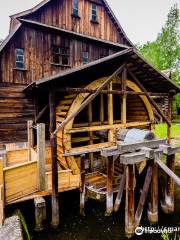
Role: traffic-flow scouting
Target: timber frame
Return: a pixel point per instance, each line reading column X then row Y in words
column 70, row 112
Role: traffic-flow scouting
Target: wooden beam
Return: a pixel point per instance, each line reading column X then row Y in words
column 41, row 156
column 143, row 197
column 137, row 146
column 149, row 97
column 170, row 102
column 90, row 120
column 82, row 189
column 88, row 100
column 130, row 201
column 110, row 115
column 153, row 204
column 168, row 203
column 53, row 141
column 168, row 171
column 105, row 92
column 120, row 192
column 124, row 97
column 40, row 114
column 107, row 127
column 109, row 194
column 30, row 138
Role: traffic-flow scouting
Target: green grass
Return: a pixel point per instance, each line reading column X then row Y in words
column 161, row 130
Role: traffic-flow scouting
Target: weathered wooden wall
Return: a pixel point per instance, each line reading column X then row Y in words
column 59, row 13
column 37, row 45
column 15, row 110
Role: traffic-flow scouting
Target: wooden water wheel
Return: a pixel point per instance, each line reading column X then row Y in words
column 102, row 114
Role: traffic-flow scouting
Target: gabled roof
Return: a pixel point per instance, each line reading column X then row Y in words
column 8, row 38
column 68, row 32
column 106, row 5
column 152, row 79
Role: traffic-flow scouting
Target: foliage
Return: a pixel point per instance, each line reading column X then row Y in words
column 165, row 236
column 164, row 52
column 161, row 130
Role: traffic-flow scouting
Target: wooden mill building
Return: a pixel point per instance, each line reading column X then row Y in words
column 69, row 70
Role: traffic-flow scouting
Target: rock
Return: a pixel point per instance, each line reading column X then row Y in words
column 11, row 229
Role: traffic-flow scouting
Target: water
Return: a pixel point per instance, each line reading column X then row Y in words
column 94, row 226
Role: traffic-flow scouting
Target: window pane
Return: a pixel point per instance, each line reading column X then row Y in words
column 94, row 12
column 75, row 7
column 85, row 57
column 19, row 51
column 94, row 18
column 94, row 6
column 19, row 65
column 19, row 58
column 65, row 60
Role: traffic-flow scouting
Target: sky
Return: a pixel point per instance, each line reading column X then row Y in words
column 142, row 20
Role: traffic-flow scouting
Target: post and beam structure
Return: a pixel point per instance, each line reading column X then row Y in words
column 53, row 141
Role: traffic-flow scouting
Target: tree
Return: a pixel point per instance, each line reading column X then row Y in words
column 164, row 52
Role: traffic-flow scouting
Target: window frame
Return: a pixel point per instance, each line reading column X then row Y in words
column 60, row 54
column 19, row 64
column 85, row 59
column 75, row 8
column 94, row 13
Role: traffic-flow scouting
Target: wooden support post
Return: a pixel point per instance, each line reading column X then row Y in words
column 129, row 208
column 170, row 100
column 2, row 197
column 110, row 114
column 143, row 197
column 153, row 204
column 30, row 138
column 124, row 97
column 90, row 119
column 53, row 141
column 120, row 192
column 109, row 194
column 41, row 156
column 82, row 189
column 102, row 111
column 40, row 212
column 168, row 203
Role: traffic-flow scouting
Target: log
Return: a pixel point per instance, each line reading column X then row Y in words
column 53, row 141
column 130, row 202
column 153, row 204
column 40, row 213
column 143, row 197
column 41, row 156
column 168, row 204
column 109, row 194
column 120, row 192
column 30, row 138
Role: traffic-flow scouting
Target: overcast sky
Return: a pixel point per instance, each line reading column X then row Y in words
column 142, row 20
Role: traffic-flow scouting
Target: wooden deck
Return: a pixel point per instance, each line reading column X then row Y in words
column 21, row 176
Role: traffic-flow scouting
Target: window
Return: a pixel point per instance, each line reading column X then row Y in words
column 75, row 8
column 19, row 58
column 60, row 55
column 85, row 57
column 94, row 12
